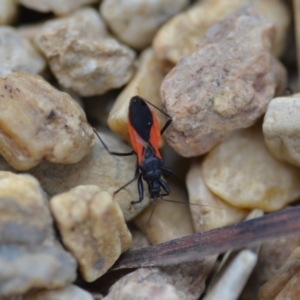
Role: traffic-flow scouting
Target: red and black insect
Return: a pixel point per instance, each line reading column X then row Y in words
column 145, row 136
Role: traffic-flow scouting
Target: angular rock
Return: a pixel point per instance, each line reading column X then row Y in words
column 211, row 211
column 225, row 85
column 243, row 173
column 92, row 227
column 82, row 56
column 58, row 7
column 30, row 256
column 17, row 54
column 8, row 11
column 39, row 122
column 281, row 128
column 108, row 172
column 180, row 36
column 135, row 22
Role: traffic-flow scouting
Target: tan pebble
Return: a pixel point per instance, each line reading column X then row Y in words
column 108, row 172
column 8, row 11
column 82, row 56
column 135, row 21
column 145, row 83
column 139, row 240
column 242, row 172
column 224, row 85
column 210, row 211
column 39, row 122
column 169, row 220
column 27, row 239
column 17, row 53
column 58, row 7
column 281, row 128
column 92, row 227
column 180, row 36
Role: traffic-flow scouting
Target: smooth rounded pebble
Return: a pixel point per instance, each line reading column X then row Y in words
column 8, row 11
column 281, row 128
column 92, row 227
column 39, row 122
column 17, row 54
column 30, row 257
column 80, row 59
column 243, row 173
column 135, row 22
column 225, row 85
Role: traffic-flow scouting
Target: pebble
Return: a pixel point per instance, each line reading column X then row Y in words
column 210, row 211
column 281, row 128
column 39, row 122
column 92, row 227
column 82, row 56
column 136, row 21
column 8, row 11
column 224, row 85
column 180, row 36
column 27, row 239
column 242, row 172
column 145, row 83
column 58, row 7
column 108, row 172
column 17, row 53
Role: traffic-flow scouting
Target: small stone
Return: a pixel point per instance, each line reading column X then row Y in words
column 169, row 220
column 8, row 11
column 282, row 128
column 17, row 54
column 225, row 85
column 92, row 227
column 242, row 172
column 146, row 83
column 82, row 56
column 30, row 256
column 108, row 172
column 69, row 292
column 180, row 36
column 58, row 7
column 38, row 122
column 210, row 211
column 139, row 240
column 135, row 22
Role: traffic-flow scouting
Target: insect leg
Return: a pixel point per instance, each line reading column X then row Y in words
column 167, row 170
column 136, row 174
column 165, row 187
column 141, row 190
column 111, row 152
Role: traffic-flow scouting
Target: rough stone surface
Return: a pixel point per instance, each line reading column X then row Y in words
column 281, row 128
column 211, row 211
column 226, row 84
column 82, row 57
column 92, row 227
column 39, row 122
column 58, row 7
column 8, row 11
column 180, row 36
column 135, row 21
column 145, row 83
column 242, row 172
column 99, row 168
column 169, row 220
column 17, row 54
column 30, row 256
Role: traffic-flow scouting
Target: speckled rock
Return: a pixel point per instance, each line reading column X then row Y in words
column 99, row 168
column 181, row 35
column 243, row 173
column 39, row 122
column 135, row 21
column 8, row 11
column 211, row 211
column 145, row 83
column 27, row 239
column 225, row 85
column 281, row 128
column 92, row 227
column 82, row 56
column 58, row 7
column 17, row 54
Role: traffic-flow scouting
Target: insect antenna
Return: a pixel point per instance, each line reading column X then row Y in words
column 152, row 211
column 187, row 203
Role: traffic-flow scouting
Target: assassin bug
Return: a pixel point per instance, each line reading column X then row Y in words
column 145, row 137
